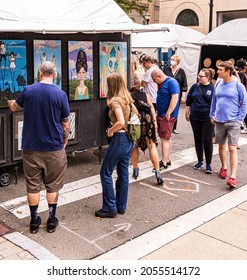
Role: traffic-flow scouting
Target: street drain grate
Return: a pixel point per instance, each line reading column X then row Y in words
column 4, row 229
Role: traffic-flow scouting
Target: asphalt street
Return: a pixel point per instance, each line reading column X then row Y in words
column 80, row 235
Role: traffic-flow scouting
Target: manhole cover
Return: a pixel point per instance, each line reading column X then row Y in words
column 4, row 229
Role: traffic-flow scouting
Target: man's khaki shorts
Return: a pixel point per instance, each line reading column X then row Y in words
column 46, row 168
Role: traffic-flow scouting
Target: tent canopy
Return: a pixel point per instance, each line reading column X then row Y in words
column 178, row 39
column 178, row 36
column 231, row 33
column 63, row 16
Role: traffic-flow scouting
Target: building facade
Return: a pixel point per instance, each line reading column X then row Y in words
column 201, row 15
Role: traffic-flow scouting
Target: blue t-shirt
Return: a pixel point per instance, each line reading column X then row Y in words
column 229, row 102
column 164, row 96
column 200, row 101
column 44, row 106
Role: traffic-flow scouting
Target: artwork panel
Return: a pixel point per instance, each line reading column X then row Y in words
column 113, row 58
column 3, row 139
column 80, row 70
column 74, row 122
column 17, row 135
column 47, row 50
column 13, row 69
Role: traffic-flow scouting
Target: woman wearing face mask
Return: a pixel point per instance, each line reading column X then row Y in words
column 178, row 73
column 198, row 104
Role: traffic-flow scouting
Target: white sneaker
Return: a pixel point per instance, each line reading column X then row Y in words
column 243, row 131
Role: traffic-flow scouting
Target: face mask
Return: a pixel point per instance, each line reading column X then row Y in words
column 173, row 62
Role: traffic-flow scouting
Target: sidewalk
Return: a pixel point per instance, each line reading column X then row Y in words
column 214, row 231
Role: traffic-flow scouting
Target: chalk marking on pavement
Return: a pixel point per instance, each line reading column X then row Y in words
column 157, row 189
column 157, row 238
column 197, row 186
column 90, row 186
column 191, row 179
column 119, row 227
column 81, row 237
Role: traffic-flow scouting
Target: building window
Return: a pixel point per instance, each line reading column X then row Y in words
column 187, row 18
column 223, row 17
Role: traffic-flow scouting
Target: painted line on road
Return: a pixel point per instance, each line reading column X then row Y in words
column 90, row 186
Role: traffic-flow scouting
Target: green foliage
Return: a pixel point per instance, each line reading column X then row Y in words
column 129, row 5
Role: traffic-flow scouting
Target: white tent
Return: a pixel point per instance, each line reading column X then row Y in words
column 232, row 33
column 178, row 39
column 63, row 16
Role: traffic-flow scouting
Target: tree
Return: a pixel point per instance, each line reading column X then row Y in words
column 129, row 5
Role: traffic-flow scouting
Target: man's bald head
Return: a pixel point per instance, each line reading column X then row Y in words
column 158, row 76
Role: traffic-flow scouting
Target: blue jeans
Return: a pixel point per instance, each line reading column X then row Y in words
column 117, row 155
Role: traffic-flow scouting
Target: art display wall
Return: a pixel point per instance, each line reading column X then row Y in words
column 82, row 63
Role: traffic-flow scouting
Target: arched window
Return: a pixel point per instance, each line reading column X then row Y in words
column 187, row 18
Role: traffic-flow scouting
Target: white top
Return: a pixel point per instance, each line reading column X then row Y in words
column 151, row 87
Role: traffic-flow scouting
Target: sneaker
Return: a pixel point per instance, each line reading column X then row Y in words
column 223, row 173
column 34, row 225
column 51, row 225
column 102, row 214
column 199, row 165
column 208, row 169
column 174, row 131
column 232, row 182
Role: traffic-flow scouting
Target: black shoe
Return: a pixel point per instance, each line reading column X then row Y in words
column 165, row 166
column 34, row 225
column 169, row 163
column 51, row 225
column 121, row 212
column 102, row 214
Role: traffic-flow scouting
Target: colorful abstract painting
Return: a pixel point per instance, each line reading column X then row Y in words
column 47, row 50
column 80, row 64
column 13, row 69
column 113, row 58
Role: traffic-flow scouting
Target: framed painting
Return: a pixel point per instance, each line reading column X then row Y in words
column 13, row 69
column 80, row 69
column 3, row 139
column 47, row 50
column 74, row 121
column 17, row 135
column 112, row 58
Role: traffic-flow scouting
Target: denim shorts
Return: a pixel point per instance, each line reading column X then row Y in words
column 227, row 131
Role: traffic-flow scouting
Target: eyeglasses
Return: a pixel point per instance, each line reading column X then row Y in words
column 200, row 76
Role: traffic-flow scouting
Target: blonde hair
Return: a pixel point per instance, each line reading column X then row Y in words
column 177, row 58
column 209, row 72
column 117, row 88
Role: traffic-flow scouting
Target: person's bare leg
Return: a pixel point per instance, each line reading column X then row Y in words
column 222, row 154
column 233, row 160
column 134, row 157
column 153, row 154
column 165, row 150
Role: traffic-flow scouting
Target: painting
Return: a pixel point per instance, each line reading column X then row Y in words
column 17, row 135
column 80, row 69
column 3, row 144
column 13, row 69
column 113, row 58
column 74, row 122
column 47, row 50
